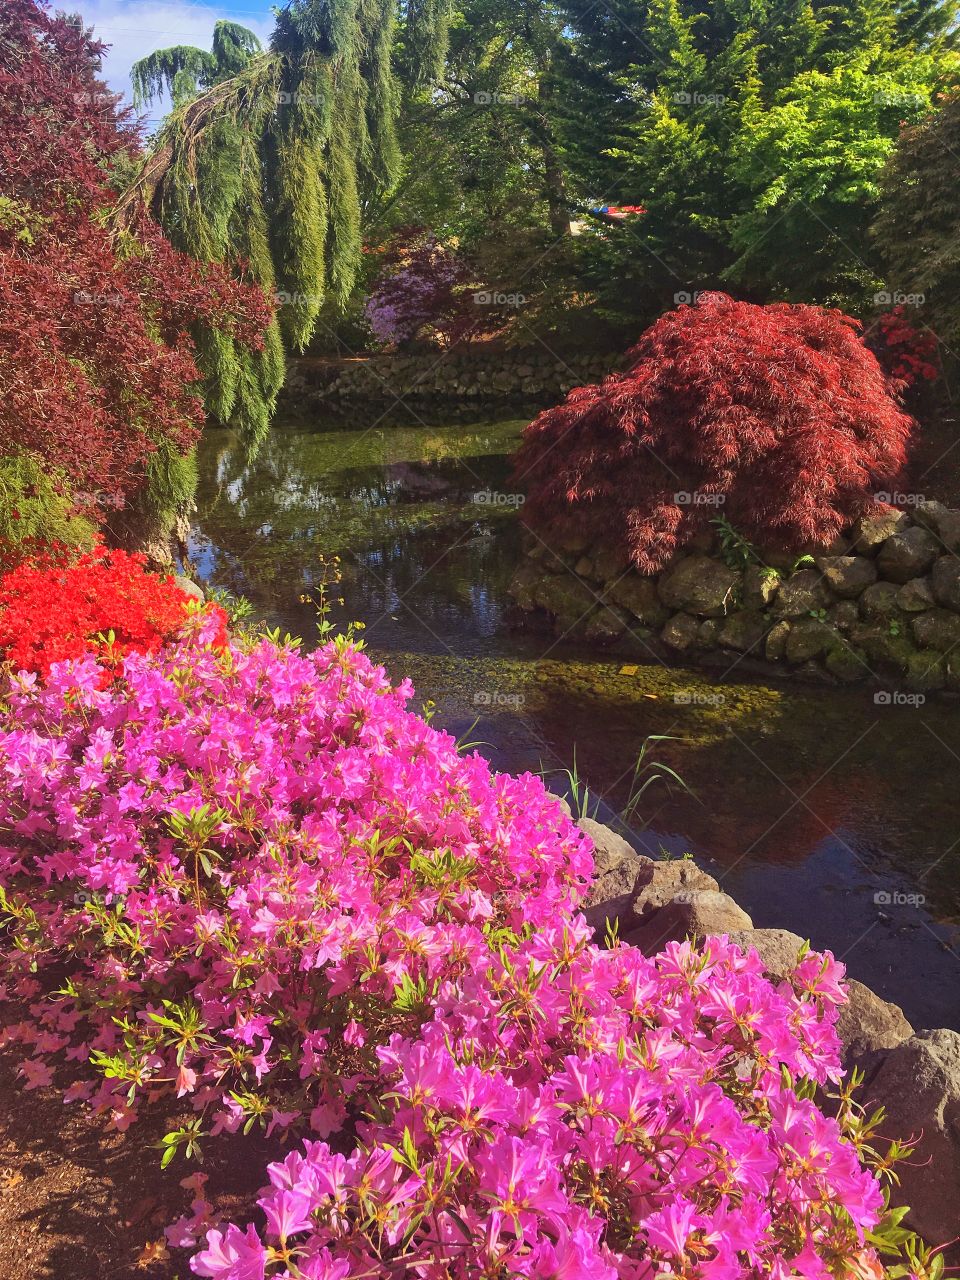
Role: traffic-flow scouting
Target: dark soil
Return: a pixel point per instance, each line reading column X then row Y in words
column 83, row 1203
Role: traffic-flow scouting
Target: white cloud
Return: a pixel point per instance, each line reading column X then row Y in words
column 134, row 28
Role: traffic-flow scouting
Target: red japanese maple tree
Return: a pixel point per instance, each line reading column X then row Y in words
column 96, row 361
column 778, row 416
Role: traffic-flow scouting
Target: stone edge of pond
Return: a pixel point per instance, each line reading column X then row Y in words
column 913, row 1075
column 879, row 606
column 483, row 377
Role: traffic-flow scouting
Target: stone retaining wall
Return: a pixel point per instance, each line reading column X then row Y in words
column 527, row 377
column 882, row 604
column 913, row 1075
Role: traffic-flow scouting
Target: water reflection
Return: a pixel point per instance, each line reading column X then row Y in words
column 811, row 803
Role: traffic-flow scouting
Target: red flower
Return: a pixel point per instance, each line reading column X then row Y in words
column 51, row 611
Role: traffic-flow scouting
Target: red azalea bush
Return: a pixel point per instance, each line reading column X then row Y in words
column 50, row 610
column 905, row 352
column 780, row 413
column 96, row 361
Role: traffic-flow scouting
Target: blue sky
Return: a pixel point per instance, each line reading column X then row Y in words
column 136, row 27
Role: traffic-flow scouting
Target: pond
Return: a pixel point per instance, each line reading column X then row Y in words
column 820, row 810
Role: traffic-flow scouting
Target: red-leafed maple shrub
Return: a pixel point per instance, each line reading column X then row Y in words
column 779, row 416
column 96, row 365
column 905, row 352
column 51, row 610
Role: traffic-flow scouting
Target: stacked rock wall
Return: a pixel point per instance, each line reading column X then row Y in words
column 469, row 379
column 882, row 604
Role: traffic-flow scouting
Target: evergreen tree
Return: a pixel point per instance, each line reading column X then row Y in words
column 267, row 167
column 183, row 70
column 753, row 135
column 918, row 227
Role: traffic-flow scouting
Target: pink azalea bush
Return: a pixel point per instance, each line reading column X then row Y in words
column 251, row 879
column 233, row 874
column 586, row 1114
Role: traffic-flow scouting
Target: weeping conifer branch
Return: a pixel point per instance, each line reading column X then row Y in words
column 267, row 163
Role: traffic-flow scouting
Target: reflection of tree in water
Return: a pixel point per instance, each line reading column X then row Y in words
column 396, row 506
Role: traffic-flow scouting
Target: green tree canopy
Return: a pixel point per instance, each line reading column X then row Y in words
column 266, row 165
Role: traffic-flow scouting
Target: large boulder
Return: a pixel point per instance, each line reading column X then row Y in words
column 778, row 949
column 607, row 625
column 908, row 554
column 847, row 576
column 639, row 597
column 682, row 632
column 661, row 881
column 809, row 638
column 936, row 629
column 699, row 585
column 566, row 597
column 690, row 911
column 618, row 875
column 743, row 631
column 941, row 521
column 915, row 596
column 918, row 1085
column 881, row 603
column 874, row 528
column 868, row 1024
column 946, row 582
column 189, row 587
column 802, row 594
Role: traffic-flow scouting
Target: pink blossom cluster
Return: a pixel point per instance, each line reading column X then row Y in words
column 231, row 875
column 253, row 879
column 585, row 1114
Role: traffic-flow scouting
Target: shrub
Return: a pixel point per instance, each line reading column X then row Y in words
column 96, row 362
column 36, row 512
column 779, row 413
column 587, row 1114
column 264, row 868
column 907, row 354
column 421, row 292
column 102, row 601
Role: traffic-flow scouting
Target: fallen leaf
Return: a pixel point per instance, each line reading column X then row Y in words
column 153, row 1251
column 10, row 1178
column 629, row 671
